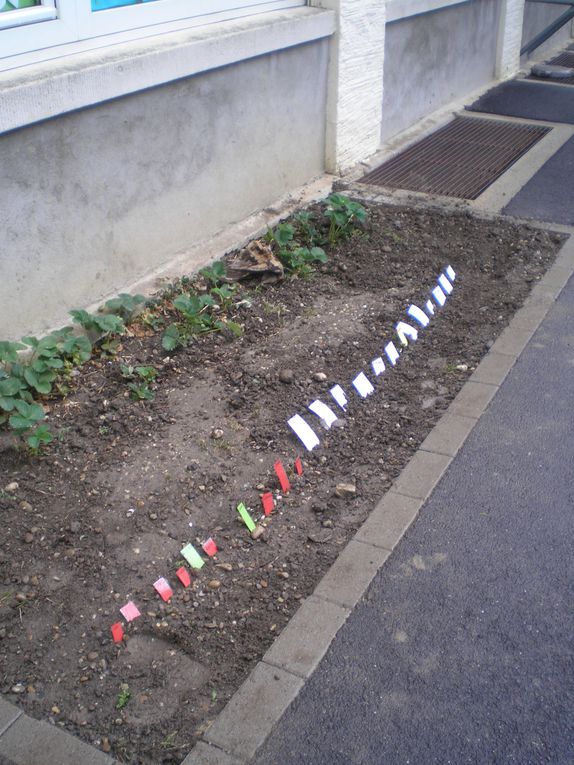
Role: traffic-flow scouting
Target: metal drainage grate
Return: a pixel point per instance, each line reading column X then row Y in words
column 460, row 160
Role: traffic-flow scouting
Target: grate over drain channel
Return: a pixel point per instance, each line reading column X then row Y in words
column 460, row 160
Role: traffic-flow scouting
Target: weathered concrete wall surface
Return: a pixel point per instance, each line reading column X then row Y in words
column 95, row 199
column 434, row 58
column 537, row 16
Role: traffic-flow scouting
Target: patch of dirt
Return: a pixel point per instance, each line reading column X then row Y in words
column 104, row 512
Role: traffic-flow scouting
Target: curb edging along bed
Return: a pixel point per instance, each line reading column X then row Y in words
column 249, row 716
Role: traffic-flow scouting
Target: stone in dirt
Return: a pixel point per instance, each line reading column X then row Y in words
column 257, row 532
column 286, row 376
column 345, row 490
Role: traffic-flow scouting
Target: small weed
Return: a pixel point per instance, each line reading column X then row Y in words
column 213, row 695
column 169, row 741
column 123, row 696
column 103, row 430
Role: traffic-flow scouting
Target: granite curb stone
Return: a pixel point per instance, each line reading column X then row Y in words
column 307, row 636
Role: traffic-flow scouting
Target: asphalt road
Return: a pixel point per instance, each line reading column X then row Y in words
column 462, row 650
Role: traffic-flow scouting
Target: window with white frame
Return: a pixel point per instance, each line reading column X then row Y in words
column 37, row 25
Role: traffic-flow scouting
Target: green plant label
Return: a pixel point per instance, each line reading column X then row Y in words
column 247, row 519
column 192, row 556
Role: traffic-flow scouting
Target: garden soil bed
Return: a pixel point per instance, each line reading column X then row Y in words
column 105, row 510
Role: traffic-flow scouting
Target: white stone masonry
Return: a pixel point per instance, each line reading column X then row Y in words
column 354, row 106
column 510, row 38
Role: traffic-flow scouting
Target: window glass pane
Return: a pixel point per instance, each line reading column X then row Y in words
column 15, row 5
column 101, row 5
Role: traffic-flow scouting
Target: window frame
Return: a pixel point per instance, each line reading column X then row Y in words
column 77, row 27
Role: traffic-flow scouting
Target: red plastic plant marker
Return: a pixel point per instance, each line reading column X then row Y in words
column 183, row 576
column 298, row 466
column 117, row 632
column 163, row 588
column 130, row 611
column 209, row 547
column 267, row 502
column 282, row 476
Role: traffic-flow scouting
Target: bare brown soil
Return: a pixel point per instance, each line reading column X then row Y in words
column 107, row 508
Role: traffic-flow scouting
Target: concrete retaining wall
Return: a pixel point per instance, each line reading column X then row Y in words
column 95, row 199
column 436, row 57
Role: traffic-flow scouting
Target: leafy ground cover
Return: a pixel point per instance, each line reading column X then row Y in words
column 160, row 433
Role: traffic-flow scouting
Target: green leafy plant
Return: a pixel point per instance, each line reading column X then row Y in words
column 224, row 295
column 196, row 319
column 299, row 260
column 306, row 231
column 123, row 696
column 343, row 215
column 124, row 305
column 142, row 376
column 99, row 324
column 25, row 376
column 214, row 274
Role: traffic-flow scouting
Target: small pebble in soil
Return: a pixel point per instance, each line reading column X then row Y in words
column 345, row 490
column 319, row 377
column 286, row 376
column 12, row 487
column 217, row 433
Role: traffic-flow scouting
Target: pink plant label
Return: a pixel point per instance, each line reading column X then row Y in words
column 163, row 588
column 298, row 466
column 183, row 576
column 267, row 502
column 117, row 632
column 282, row 476
column 130, row 611
column 209, row 547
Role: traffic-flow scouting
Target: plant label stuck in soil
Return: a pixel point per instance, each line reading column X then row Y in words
column 339, row 395
column 298, row 466
column 117, row 632
column 326, row 415
column 378, row 366
column 282, row 476
column 439, row 296
column 418, row 314
column 183, row 576
column 392, row 353
column 267, row 502
column 405, row 331
column 445, row 284
column 192, row 556
column 247, row 519
column 162, row 587
column 363, row 385
column 209, row 547
column 304, row 432
column 130, row 611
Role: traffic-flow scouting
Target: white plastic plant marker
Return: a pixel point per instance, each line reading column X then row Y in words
column 418, row 315
column 326, row 415
column 445, row 284
column 430, row 308
column 363, row 385
column 439, row 296
column 339, row 395
column 304, row 432
column 392, row 353
column 406, row 332
column 378, row 366
column 450, row 272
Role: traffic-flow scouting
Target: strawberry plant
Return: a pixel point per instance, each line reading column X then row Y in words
column 343, row 215
column 142, row 377
column 124, row 305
